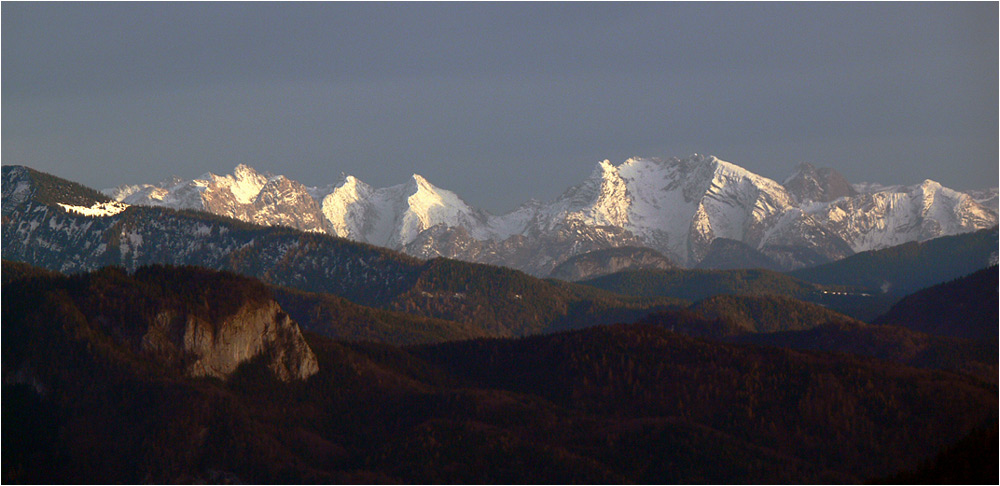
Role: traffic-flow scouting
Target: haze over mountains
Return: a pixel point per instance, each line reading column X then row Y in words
column 677, row 207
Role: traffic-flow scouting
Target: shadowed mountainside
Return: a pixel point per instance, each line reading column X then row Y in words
column 965, row 307
column 620, row 403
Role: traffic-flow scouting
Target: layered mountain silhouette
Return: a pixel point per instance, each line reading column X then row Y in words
column 124, row 363
column 93, row 391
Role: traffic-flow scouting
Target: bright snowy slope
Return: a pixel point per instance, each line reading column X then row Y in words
column 676, row 206
column 246, row 195
column 898, row 215
column 394, row 216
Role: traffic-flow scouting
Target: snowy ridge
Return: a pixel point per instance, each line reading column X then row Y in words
column 898, row 215
column 100, row 209
column 676, row 206
column 244, row 185
column 987, row 198
column 395, row 215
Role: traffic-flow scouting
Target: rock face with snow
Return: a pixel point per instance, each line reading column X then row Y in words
column 675, row 206
column 986, row 198
column 809, row 184
column 901, row 214
column 245, row 195
column 394, row 216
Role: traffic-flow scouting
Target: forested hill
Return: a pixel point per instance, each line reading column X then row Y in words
column 965, row 307
column 904, row 269
column 607, row 404
column 823, row 414
column 695, row 285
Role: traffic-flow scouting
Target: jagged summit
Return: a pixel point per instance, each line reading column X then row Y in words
column 420, row 180
column 809, row 184
column 676, row 206
column 393, row 216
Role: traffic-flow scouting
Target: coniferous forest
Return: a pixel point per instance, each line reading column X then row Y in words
column 89, row 402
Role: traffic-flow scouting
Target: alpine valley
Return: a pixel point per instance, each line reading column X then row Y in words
column 698, row 323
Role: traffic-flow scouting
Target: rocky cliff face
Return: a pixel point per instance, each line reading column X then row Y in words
column 217, row 348
column 195, row 321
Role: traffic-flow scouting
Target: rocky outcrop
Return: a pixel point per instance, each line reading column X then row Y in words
column 818, row 185
column 190, row 320
column 604, row 262
column 217, row 348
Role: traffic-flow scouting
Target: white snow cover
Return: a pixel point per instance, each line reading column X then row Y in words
column 245, row 183
column 98, row 209
column 394, row 216
column 667, row 201
column 873, row 187
column 899, row 214
column 677, row 206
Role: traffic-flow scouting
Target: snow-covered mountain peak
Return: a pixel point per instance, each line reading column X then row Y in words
column 930, row 185
column 393, row 216
column 931, row 189
column 245, row 183
column 421, row 182
column 677, row 206
column 602, row 172
column 351, row 184
column 601, row 199
column 421, row 195
column 243, row 171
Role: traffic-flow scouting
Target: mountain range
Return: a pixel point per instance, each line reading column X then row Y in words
column 65, row 227
column 43, row 226
column 675, row 206
column 132, row 365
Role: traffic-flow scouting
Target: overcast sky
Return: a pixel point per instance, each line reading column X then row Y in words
column 499, row 102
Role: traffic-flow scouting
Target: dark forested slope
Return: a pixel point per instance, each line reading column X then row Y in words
column 965, row 307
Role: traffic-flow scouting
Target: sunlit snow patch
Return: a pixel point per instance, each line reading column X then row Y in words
column 98, row 209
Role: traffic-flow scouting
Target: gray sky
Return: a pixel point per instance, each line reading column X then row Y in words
column 499, row 102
